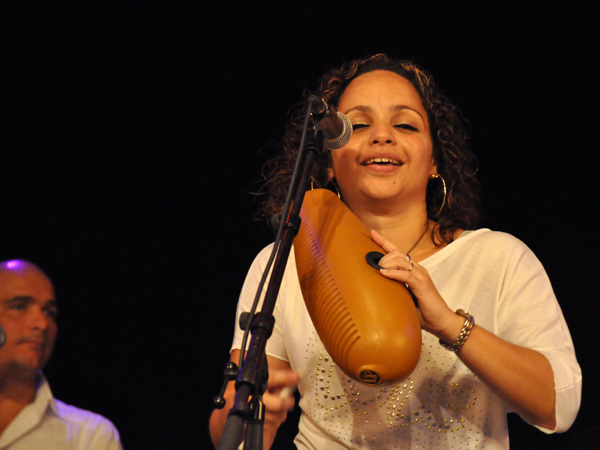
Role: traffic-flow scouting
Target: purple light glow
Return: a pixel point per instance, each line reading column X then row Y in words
column 14, row 264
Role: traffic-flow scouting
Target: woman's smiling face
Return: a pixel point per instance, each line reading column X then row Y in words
column 389, row 157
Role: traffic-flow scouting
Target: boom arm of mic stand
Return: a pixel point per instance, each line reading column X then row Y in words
column 251, row 374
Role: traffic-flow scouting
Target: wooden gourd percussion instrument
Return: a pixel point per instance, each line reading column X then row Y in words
column 368, row 323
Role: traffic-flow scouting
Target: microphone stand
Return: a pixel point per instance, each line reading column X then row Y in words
column 253, row 375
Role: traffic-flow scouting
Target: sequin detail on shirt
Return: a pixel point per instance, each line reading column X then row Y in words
column 434, row 408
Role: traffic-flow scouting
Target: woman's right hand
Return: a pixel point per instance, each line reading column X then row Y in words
column 277, row 399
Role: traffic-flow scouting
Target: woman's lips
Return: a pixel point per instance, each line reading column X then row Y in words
column 382, row 161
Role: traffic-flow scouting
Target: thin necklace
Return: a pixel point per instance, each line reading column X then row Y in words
column 418, row 240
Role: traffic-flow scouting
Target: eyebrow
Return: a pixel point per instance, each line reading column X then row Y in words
column 395, row 108
column 29, row 299
column 19, row 298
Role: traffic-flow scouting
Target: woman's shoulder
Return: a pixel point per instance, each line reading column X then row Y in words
column 481, row 241
column 487, row 236
column 265, row 251
column 265, row 257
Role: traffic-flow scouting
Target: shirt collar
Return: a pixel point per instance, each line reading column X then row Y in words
column 44, row 399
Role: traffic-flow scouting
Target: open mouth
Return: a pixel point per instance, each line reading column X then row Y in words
column 382, row 162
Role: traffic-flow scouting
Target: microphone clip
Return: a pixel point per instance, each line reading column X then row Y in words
column 335, row 128
column 319, row 108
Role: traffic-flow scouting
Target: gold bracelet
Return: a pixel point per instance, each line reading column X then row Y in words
column 464, row 332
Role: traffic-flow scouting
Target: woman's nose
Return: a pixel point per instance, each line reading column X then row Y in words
column 382, row 134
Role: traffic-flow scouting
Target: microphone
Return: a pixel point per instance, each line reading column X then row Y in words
column 335, row 127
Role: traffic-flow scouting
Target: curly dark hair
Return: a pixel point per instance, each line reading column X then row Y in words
column 451, row 151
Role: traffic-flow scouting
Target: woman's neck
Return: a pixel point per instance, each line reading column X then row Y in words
column 409, row 231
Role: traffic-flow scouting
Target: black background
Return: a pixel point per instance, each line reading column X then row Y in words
column 132, row 134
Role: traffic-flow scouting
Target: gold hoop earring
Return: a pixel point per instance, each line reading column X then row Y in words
column 336, row 187
column 436, row 176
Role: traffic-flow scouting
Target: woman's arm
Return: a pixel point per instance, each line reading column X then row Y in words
column 522, row 377
column 277, row 401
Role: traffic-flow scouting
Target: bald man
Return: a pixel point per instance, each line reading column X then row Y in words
column 30, row 417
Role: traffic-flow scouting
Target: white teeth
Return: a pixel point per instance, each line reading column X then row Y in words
column 382, row 161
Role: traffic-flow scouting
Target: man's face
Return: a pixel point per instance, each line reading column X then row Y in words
column 28, row 312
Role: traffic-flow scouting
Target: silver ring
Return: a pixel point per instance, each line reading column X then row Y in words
column 408, row 258
column 412, row 266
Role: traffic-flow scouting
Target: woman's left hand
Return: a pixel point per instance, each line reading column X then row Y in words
column 436, row 317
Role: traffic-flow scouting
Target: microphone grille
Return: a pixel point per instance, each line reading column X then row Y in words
column 344, row 138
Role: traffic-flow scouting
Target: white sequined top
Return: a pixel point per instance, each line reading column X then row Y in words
column 442, row 405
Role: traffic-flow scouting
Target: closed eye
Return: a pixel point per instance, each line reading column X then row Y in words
column 406, row 126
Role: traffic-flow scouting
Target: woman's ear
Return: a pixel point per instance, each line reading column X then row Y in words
column 433, row 170
column 330, row 173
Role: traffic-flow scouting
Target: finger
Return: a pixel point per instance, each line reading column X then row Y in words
column 278, row 379
column 396, row 274
column 287, row 391
column 400, row 269
column 276, row 404
column 386, row 245
column 287, row 397
column 397, row 260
